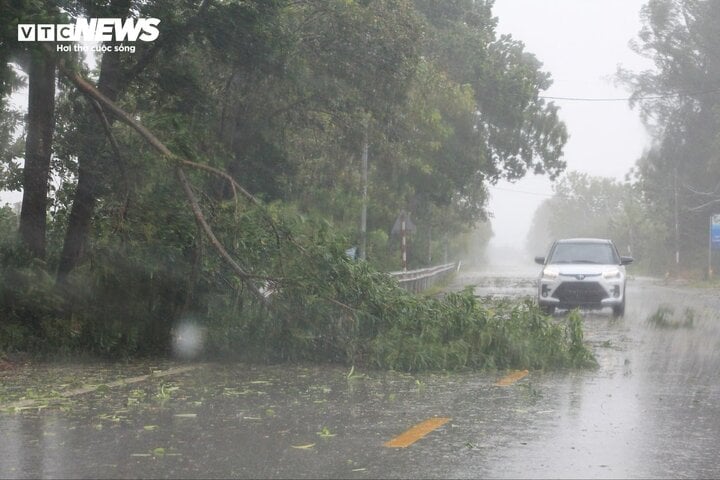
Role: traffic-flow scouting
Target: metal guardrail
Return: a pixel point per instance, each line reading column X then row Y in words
column 418, row 280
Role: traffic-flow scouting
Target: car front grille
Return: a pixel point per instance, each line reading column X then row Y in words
column 580, row 293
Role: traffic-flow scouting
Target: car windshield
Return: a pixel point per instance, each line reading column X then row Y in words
column 600, row 253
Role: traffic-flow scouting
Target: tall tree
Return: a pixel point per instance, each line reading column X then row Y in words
column 39, row 127
column 38, row 151
column 117, row 73
column 521, row 132
column 680, row 102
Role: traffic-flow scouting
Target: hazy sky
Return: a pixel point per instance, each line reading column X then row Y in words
column 581, row 43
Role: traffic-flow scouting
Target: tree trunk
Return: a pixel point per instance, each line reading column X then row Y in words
column 91, row 164
column 38, row 150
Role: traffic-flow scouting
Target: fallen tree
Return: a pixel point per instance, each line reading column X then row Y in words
column 325, row 307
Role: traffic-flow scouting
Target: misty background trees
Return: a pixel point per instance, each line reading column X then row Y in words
column 660, row 212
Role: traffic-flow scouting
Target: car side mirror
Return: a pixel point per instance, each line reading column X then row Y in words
column 626, row 260
column 540, row 260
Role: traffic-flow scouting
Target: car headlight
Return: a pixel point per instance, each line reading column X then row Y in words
column 612, row 273
column 550, row 273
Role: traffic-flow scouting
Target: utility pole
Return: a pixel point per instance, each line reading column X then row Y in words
column 677, row 222
column 363, row 216
column 445, row 256
column 430, row 245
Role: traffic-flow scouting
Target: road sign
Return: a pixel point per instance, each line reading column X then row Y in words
column 397, row 226
column 715, row 232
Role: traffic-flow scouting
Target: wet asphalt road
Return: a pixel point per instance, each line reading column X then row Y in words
column 652, row 409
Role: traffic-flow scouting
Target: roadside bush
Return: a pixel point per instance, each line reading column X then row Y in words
column 665, row 317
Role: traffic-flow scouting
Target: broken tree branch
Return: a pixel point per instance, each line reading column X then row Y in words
column 237, row 187
column 120, row 161
column 88, row 89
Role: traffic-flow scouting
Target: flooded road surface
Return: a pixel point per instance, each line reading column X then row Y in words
column 652, row 409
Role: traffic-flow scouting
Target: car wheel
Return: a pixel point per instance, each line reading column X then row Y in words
column 619, row 310
column 547, row 309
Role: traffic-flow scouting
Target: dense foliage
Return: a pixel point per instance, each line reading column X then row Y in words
column 283, row 97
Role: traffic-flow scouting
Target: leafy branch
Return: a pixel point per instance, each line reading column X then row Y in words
column 88, row 89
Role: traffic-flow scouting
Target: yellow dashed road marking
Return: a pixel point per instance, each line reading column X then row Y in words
column 417, row 432
column 512, row 378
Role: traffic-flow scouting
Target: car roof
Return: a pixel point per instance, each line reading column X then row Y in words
column 584, row 240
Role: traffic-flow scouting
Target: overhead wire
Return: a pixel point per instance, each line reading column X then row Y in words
column 522, row 191
column 625, row 99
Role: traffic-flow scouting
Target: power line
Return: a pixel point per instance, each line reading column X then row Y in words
column 522, row 191
column 538, row 194
column 581, row 99
column 626, row 99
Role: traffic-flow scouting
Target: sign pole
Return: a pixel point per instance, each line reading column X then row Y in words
column 403, row 226
column 713, row 241
column 403, row 244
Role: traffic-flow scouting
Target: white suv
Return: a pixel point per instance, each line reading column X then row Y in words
column 584, row 273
